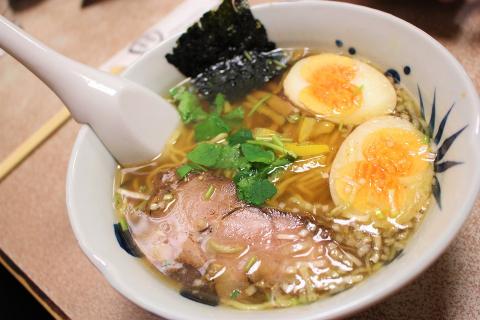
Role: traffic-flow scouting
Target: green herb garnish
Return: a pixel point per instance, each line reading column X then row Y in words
column 219, row 103
column 250, row 263
column 276, row 166
column 117, row 201
column 255, row 153
column 189, row 107
column 205, row 154
column 217, row 156
column 255, row 190
column 276, row 140
column 426, row 139
column 259, row 104
column 239, row 137
column 187, row 168
column 234, row 294
column 210, row 128
column 184, row 170
column 209, row 193
column 255, row 164
column 231, row 158
column 123, row 223
column 235, row 114
column 272, row 146
column 293, row 118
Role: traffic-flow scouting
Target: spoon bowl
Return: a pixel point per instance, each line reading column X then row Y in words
column 132, row 122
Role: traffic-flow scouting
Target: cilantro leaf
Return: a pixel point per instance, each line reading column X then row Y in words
column 175, row 92
column 184, row 170
column 275, row 166
column 189, row 107
column 187, row 168
column 254, row 185
column 236, row 114
column 210, row 128
column 218, row 103
column 231, row 158
column 228, row 157
column 205, row 154
column 217, row 156
column 255, row 191
column 243, row 174
column 239, row 137
column 255, row 153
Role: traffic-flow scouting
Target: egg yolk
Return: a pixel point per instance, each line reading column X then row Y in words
column 330, row 90
column 379, row 182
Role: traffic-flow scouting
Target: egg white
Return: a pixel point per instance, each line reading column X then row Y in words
column 351, row 151
column 379, row 96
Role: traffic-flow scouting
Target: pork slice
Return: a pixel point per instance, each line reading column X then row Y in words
column 224, row 241
column 177, row 217
column 276, row 246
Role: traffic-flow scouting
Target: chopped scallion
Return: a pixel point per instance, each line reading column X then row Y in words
column 272, row 146
column 278, row 63
column 209, row 193
column 426, row 139
column 235, row 293
column 293, row 118
column 117, row 201
column 276, row 140
column 379, row 214
column 123, row 223
column 250, row 263
column 259, row 104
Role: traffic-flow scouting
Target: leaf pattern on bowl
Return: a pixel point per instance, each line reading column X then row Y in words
column 125, row 240
column 435, row 135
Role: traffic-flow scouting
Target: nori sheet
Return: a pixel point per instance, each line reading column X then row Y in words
column 219, row 35
column 237, row 76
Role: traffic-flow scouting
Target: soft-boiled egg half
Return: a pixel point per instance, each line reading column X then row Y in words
column 382, row 172
column 339, row 89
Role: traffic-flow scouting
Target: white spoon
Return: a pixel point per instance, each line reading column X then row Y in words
column 133, row 123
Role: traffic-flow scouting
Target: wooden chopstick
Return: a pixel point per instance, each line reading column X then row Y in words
column 32, row 142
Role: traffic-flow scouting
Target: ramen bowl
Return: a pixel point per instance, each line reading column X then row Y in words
column 447, row 99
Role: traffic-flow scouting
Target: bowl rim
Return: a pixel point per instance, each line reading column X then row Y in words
column 438, row 247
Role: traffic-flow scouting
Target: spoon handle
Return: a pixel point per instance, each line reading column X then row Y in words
column 71, row 81
column 132, row 122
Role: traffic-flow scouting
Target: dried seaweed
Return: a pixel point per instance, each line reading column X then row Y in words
column 219, row 35
column 237, row 76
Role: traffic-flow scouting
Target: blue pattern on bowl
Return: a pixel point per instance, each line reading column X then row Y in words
column 125, row 240
column 442, row 147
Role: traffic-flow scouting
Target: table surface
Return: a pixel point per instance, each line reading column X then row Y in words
column 36, row 239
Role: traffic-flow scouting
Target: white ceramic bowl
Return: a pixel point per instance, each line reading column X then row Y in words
column 388, row 41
